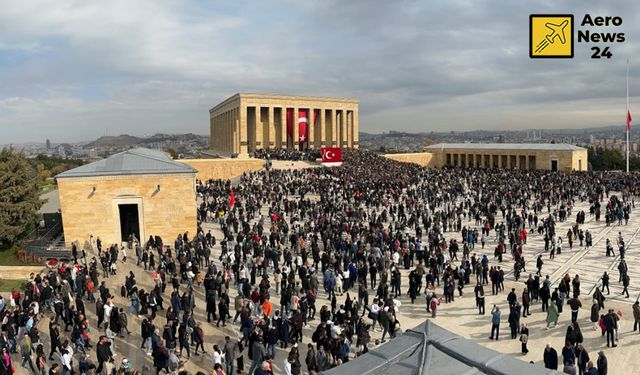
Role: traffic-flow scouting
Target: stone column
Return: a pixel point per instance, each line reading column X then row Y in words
column 343, row 124
column 296, row 130
column 227, row 119
column 347, row 126
column 236, row 130
column 283, row 128
column 323, row 131
column 356, row 129
column 243, row 129
column 223, row 132
column 526, row 162
column 311, row 129
column 259, row 128
column 272, row 130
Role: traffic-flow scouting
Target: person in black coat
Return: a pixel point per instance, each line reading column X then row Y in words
column 550, row 358
column 223, row 310
column 103, row 352
column 161, row 358
column 211, row 305
column 602, row 363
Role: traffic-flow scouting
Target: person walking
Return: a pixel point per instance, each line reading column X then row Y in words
column 552, row 315
column 605, row 282
column 636, row 316
column 625, row 284
column 513, row 322
column 495, row 322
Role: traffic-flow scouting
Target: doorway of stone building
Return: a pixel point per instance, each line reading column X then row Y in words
column 554, row 165
column 129, row 222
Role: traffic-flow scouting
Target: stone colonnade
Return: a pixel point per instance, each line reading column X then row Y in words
column 245, row 123
column 489, row 160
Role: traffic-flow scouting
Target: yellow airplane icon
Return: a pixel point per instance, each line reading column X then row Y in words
column 556, row 31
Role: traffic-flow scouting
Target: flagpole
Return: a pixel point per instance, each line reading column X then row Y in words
column 626, row 116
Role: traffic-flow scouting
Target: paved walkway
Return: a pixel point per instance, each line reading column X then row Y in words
column 461, row 316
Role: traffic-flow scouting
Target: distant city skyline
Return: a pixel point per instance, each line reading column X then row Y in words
column 79, row 68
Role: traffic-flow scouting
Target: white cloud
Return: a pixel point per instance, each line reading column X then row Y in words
column 70, row 68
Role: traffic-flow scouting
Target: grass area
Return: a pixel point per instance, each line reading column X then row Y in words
column 7, row 285
column 47, row 186
column 9, row 257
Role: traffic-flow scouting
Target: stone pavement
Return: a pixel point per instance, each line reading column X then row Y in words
column 460, row 316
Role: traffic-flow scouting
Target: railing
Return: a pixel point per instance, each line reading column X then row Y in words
column 49, row 245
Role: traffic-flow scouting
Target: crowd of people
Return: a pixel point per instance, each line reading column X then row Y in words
column 285, row 154
column 310, row 263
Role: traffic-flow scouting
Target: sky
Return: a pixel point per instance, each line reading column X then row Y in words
column 74, row 70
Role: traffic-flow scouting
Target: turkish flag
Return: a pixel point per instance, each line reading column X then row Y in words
column 628, row 121
column 303, row 126
column 290, row 123
column 331, row 154
column 232, row 199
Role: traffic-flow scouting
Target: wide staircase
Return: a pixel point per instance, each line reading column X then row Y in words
column 49, row 245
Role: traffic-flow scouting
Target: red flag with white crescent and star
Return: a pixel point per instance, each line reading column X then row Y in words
column 303, row 126
column 628, row 121
column 331, row 154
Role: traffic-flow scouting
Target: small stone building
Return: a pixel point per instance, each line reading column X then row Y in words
column 140, row 191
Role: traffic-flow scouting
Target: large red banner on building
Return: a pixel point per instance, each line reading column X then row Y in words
column 303, row 126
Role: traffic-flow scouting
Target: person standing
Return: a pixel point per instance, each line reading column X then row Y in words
column 310, row 360
column 524, row 338
column 575, row 305
column 610, row 323
column 230, row 353
column 526, row 301
column 550, row 358
column 583, row 358
column 602, row 363
column 513, row 322
column 495, row 322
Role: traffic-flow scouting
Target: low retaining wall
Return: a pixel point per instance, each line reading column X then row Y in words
column 19, row 272
column 420, row 158
column 224, row 169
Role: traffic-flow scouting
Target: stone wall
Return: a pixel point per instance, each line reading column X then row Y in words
column 165, row 212
column 223, row 168
column 421, row 158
